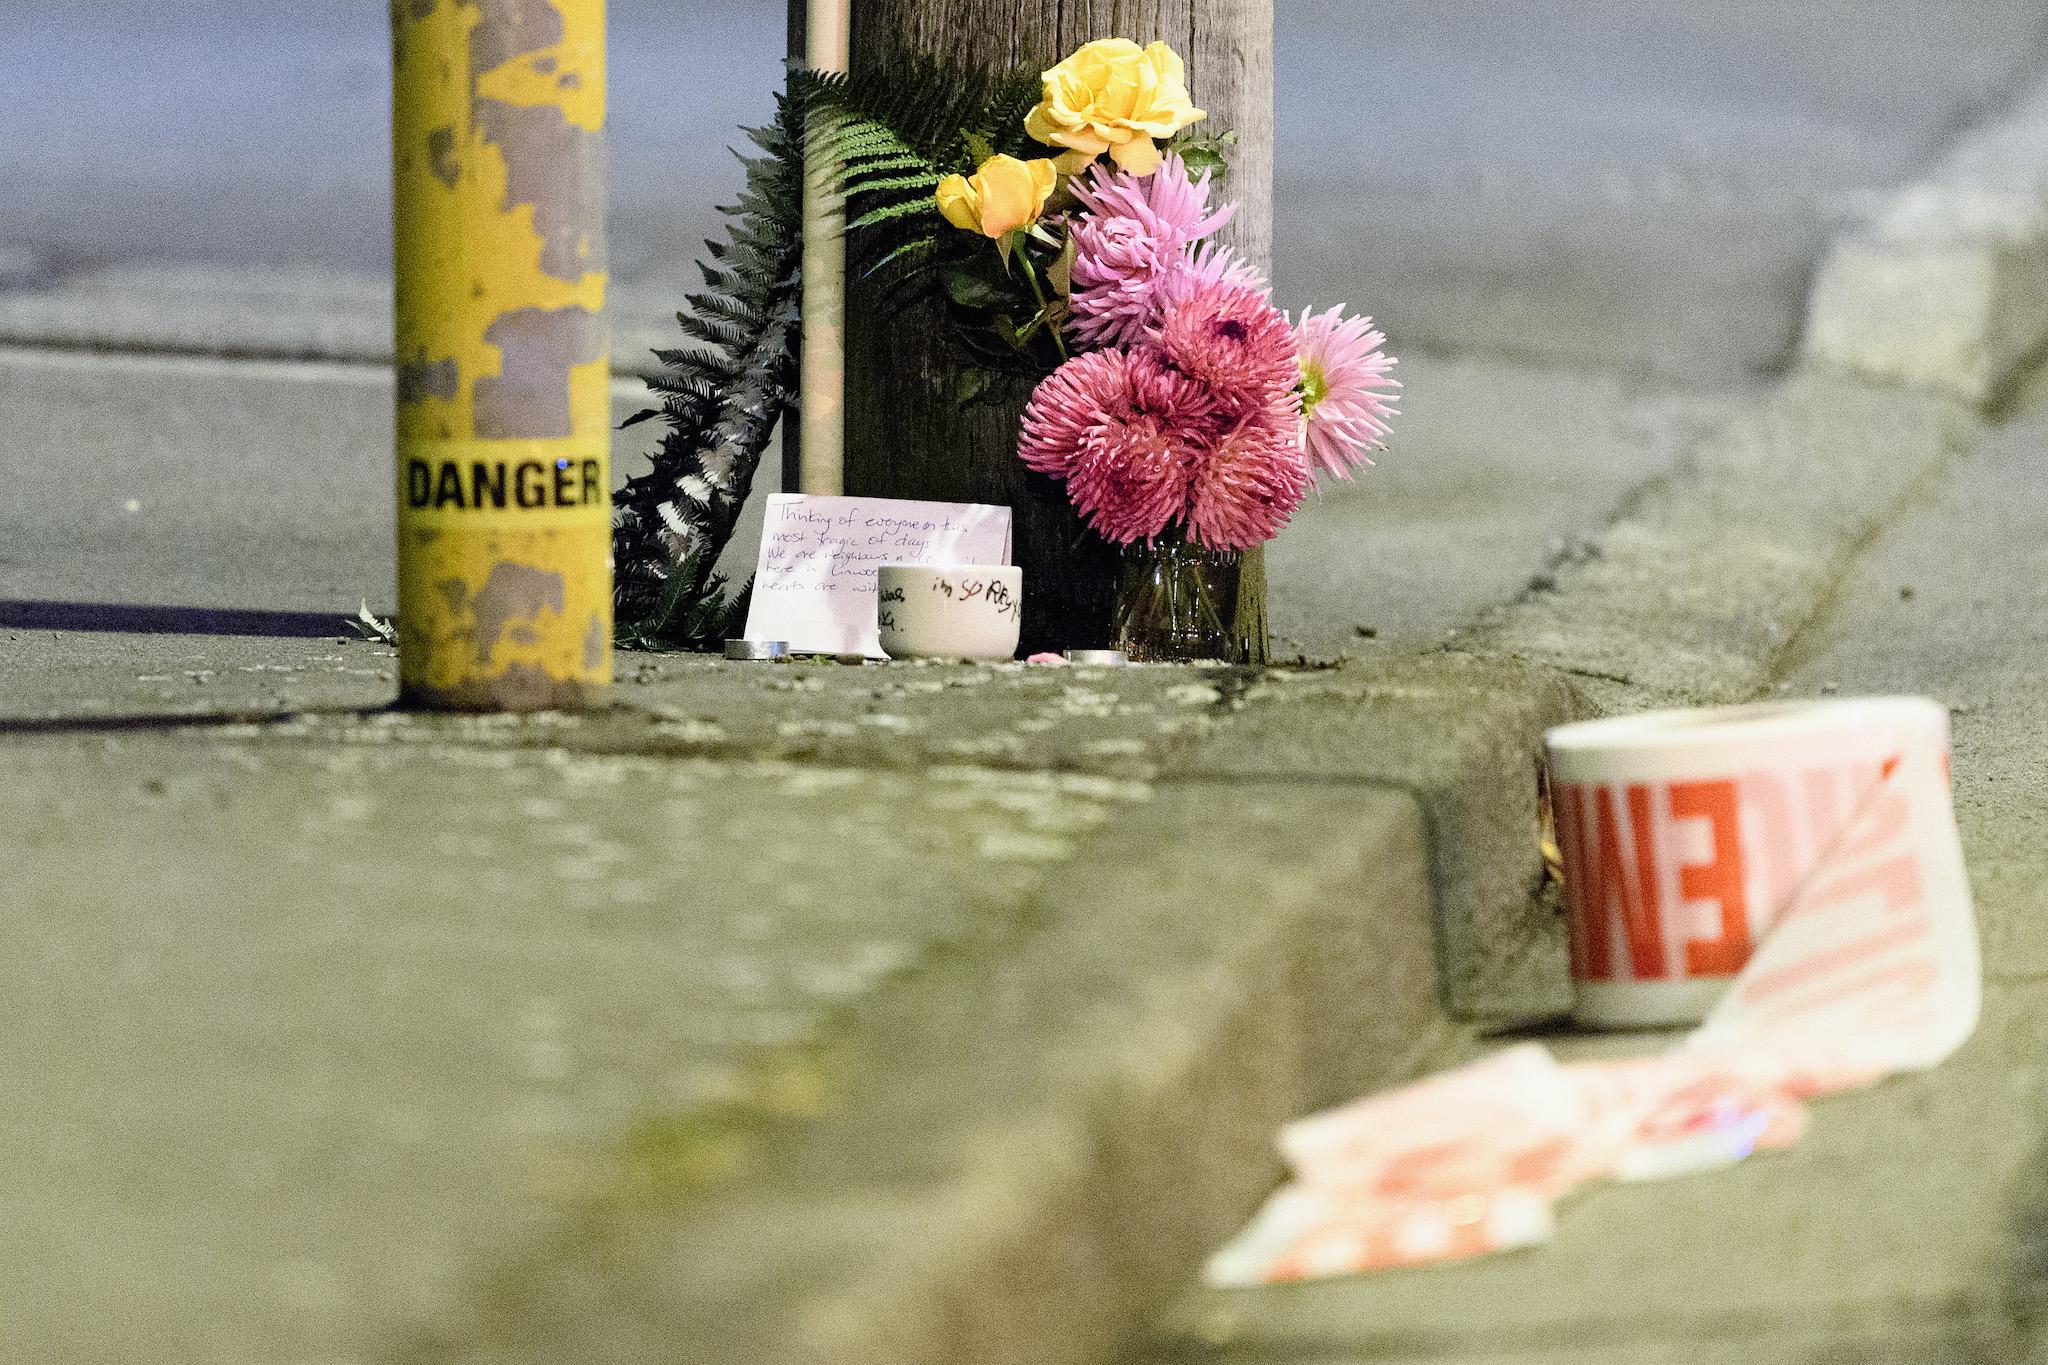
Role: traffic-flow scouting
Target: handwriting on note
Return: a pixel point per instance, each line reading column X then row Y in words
column 814, row 585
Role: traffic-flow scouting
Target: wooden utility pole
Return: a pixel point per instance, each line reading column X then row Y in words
column 504, row 413
column 905, row 435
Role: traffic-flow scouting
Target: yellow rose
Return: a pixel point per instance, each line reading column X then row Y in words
column 1004, row 195
column 1114, row 96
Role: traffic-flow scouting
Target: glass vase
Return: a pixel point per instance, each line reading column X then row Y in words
column 1176, row 601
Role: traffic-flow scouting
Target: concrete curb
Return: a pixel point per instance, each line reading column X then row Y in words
column 1945, row 286
column 1697, row 591
column 1039, row 1142
column 1462, row 737
column 1029, row 1147
column 1019, row 1150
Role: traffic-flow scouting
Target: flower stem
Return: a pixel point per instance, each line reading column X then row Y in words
column 1031, row 278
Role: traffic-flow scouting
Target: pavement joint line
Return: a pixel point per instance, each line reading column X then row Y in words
column 1787, row 657
column 30, row 353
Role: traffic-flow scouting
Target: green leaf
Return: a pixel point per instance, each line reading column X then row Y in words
column 970, row 385
column 901, row 162
column 1210, row 153
column 979, row 148
column 1060, row 274
column 970, row 287
column 904, row 254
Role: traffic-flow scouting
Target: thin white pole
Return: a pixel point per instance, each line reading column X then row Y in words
column 821, row 427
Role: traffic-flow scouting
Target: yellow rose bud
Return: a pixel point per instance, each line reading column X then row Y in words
column 1004, row 195
column 959, row 203
column 1114, row 96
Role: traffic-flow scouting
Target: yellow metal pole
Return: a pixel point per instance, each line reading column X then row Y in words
column 504, row 419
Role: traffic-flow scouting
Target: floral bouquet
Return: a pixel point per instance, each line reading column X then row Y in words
column 1064, row 222
column 1193, row 414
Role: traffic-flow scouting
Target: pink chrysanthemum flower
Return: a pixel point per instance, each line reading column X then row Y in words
column 1225, row 333
column 1250, row 483
column 1199, row 425
column 1344, row 400
column 1132, row 237
column 1126, row 431
column 1231, row 337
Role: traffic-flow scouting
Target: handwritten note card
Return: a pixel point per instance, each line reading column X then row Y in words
column 815, row 584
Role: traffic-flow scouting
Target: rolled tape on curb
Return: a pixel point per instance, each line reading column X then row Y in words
column 1685, row 832
column 1790, row 871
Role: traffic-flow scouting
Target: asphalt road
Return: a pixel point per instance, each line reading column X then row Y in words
column 1600, row 181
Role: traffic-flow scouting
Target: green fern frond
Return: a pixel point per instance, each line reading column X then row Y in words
column 925, row 104
column 924, row 184
column 889, row 213
column 890, row 141
column 720, row 307
column 713, row 332
column 877, row 164
column 720, row 403
column 1012, row 99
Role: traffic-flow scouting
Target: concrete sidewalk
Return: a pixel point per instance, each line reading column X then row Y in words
column 804, row 1012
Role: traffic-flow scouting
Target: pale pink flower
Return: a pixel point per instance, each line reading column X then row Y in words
column 1130, row 238
column 1215, row 263
column 1344, row 381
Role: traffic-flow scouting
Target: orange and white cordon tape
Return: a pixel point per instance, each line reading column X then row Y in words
column 1790, row 871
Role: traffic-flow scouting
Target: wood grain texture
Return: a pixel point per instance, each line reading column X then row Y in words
column 905, row 437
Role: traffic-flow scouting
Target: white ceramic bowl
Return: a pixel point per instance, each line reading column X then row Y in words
column 962, row 611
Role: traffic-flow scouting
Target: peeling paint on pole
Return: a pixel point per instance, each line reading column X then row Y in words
column 504, row 440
